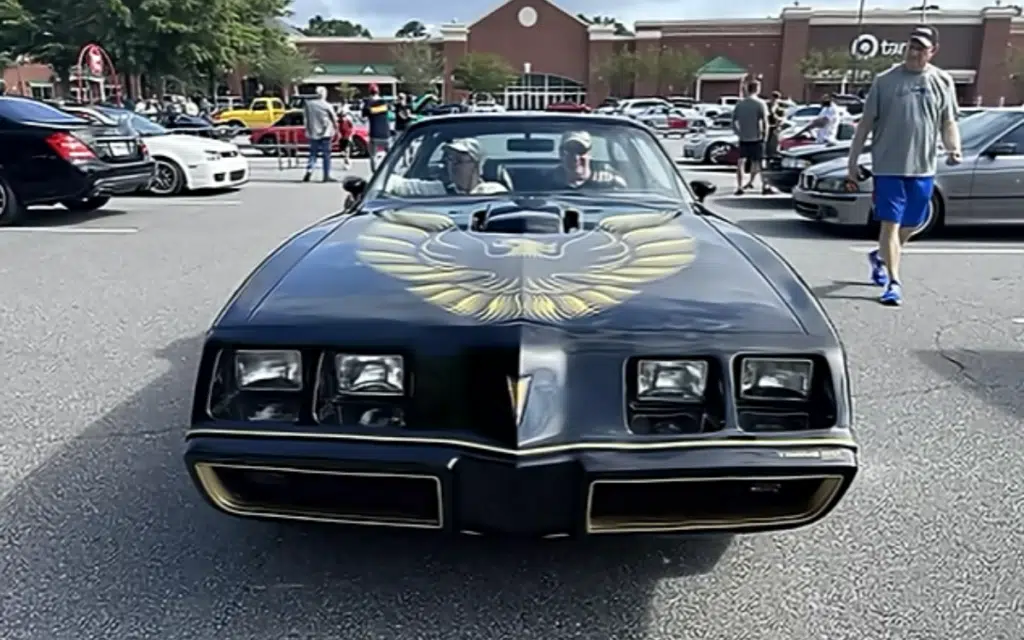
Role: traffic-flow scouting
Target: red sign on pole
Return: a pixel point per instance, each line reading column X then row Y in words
column 95, row 61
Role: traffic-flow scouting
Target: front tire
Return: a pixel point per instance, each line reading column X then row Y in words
column 11, row 210
column 86, row 205
column 716, row 153
column 359, row 148
column 169, row 179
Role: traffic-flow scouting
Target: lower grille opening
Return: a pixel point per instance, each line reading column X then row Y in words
column 690, row 504
column 381, row 499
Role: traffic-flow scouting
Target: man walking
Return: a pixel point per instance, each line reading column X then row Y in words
column 750, row 122
column 776, row 116
column 907, row 109
column 321, row 127
column 375, row 111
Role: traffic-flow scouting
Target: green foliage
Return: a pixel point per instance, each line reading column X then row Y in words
column 318, row 26
column 620, row 71
column 483, row 73
column 284, row 65
column 185, row 39
column 412, row 29
column 418, row 65
column 673, row 69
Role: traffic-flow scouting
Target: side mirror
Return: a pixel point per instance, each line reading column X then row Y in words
column 702, row 189
column 1001, row 149
column 354, row 185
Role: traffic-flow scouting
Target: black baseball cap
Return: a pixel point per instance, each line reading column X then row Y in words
column 926, row 36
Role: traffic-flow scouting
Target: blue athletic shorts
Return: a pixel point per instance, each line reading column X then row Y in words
column 902, row 200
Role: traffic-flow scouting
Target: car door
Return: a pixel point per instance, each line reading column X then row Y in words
column 997, row 184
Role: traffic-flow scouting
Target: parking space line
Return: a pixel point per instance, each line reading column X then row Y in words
column 73, row 230
column 194, row 202
column 987, row 250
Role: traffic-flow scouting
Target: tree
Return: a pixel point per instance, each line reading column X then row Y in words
column 347, row 91
column 284, row 66
column 620, row 71
column 412, row 29
column 673, row 69
column 620, row 29
column 318, row 26
column 418, row 65
column 483, row 73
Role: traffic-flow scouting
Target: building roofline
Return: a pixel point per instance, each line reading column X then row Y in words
column 502, row 4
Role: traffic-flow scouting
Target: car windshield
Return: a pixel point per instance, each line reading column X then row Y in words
column 26, row 110
column 979, row 129
column 476, row 156
column 139, row 124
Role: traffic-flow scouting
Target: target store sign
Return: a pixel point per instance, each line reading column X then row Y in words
column 867, row 45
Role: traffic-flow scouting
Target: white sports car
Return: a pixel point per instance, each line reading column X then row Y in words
column 184, row 163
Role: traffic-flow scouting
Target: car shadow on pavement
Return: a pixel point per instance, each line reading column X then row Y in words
column 754, row 200
column 61, row 217
column 996, row 376
column 843, row 290
column 109, row 533
column 799, row 229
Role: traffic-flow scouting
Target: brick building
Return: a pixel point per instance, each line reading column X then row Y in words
column 560, row 55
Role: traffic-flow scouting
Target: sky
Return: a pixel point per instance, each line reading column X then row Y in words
column 384, row 17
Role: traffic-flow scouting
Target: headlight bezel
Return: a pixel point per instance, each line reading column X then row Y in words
column 211, row 156
column 745, row 397
column 224, row 393
column 637, row 372
column 834, row 185
column 336, row 361
column 300, row 368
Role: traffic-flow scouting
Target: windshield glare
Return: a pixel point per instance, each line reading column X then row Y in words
column 27, row 110
column 978, row 129
column 527, row 156
column 139, row 124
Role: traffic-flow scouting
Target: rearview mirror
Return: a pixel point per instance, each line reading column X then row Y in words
column 1001, row 149
column 702, row 189
column 354, row 185
column 530, row 145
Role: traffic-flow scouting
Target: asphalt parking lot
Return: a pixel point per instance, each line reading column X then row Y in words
column 103, row 536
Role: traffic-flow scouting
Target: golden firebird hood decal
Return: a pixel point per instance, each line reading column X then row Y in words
column 497, row 277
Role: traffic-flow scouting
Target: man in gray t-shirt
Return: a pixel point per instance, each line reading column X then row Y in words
column 750, row 122
column 908, row 109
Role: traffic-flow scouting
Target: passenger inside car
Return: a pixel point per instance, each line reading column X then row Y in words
column 462, row 162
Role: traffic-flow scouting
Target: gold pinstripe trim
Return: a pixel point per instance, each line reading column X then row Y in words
column 767, row 443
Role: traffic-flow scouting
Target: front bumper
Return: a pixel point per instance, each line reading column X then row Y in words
column 219, row 174
column 567, row 491
column 693, row 151
column 785, row 180
column 836, row 208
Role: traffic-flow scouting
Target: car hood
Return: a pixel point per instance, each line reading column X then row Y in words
column 183, row 143
column 633, row 269
column 837, row 166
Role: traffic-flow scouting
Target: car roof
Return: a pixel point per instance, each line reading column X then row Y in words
column 541, row 116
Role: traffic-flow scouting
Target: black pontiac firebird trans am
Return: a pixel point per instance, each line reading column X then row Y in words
column 480, row 344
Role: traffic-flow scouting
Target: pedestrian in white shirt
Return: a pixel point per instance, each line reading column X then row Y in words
column 827, row 122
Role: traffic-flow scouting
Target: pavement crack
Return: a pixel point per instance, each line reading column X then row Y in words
column 963, row 369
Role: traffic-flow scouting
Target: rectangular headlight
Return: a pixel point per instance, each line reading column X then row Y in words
column 268, row 370
column 776, row 378
column 672, row 380
column 365, row 375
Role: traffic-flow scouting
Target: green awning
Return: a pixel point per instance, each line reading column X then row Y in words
column 721, row 66
column 371, row 69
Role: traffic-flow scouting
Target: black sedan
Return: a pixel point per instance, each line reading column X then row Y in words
column 525, row 324
column 48, row 156
column 783, row 171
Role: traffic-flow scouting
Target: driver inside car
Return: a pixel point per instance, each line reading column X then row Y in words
column 577, row 171
column 463, row 160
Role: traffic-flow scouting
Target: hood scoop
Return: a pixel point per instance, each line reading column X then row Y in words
column 516, row 219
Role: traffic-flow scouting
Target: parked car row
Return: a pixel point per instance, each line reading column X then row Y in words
column 81, row 157
column 986, row 188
